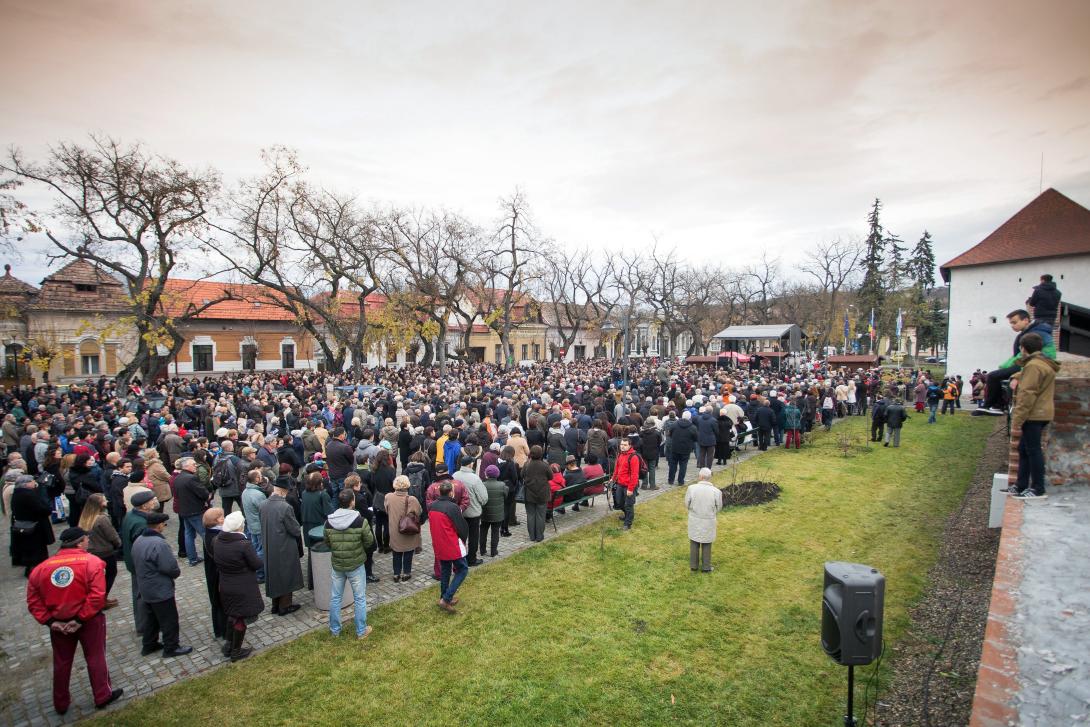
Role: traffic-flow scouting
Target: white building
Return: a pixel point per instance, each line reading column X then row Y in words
column 989, row 280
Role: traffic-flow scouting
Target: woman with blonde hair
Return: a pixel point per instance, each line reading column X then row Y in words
column 157, row 476
column 399, row 504
column 105, row 542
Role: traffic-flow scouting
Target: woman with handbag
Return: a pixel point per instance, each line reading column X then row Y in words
column 403, row 510
column 31, row 533
column 105, row 542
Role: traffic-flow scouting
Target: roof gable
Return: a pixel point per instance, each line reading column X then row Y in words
column 247, row 302
column 1050, row 226
column 11, row 285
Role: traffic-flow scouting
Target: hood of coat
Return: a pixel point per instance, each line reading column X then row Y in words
column 684, row 424
column 1038, row 356
column 1047, row 285
column 342, row 518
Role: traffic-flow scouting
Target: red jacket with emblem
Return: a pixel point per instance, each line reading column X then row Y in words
column 70, row 585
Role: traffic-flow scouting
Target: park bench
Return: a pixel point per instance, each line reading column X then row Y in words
column 746, row 438
column 576, row 495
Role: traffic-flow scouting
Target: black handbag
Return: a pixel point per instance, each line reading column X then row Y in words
column 24, row 527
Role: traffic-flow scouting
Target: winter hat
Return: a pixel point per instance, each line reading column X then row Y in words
column 234, row 523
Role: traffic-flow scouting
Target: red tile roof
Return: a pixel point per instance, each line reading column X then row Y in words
column 248, row 302
column 1050, row 226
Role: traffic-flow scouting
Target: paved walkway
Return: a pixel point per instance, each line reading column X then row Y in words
column 26, row 656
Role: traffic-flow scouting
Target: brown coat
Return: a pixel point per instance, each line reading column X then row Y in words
column 1033, row 399
column 522, row 449
column 397, row 504
column 160, row 481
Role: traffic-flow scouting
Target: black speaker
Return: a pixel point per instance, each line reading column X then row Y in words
column 851, row 613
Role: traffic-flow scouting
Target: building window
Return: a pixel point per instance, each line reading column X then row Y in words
column 580, row 353
column 287, row 356
column 85, row 288
column 499, row 353
column 249, row 357
column 525, row 352
column 88, row 365
column 202, row 358
column 537, row 351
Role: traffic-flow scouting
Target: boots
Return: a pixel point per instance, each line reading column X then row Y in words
column 238, row 651
column 227, row 643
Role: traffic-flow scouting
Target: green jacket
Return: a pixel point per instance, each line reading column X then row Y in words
column 132, row 527
column 494, row 509
column 349, row 537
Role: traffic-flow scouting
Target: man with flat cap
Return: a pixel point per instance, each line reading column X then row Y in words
column 67, row 593
column 156, row 571
column 133, row 526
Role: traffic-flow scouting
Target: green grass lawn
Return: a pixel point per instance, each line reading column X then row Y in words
column 615, row 630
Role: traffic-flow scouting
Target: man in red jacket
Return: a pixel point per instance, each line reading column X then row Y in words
column 67, row 593
column 458, row 493
column 626, row 474
column 449, row 531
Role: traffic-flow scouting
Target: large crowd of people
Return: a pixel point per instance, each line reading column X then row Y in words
column 260, row 467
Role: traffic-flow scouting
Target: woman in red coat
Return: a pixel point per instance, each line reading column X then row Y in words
column 556, row 483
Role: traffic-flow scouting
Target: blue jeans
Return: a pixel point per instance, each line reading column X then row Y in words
column 934, row 407
column 193, row 527
column 358, row 579
column 448, row 587
column 255, row 540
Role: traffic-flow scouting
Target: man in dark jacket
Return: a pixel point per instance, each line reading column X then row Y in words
column 650, row 445
column 280, row 536
column 707, row 434
column 682, row 442
column 449, row 533
column 133, row 526
column 895, row 419
column 340, row 458
column 764, row 419
column 156, row 571
column 192, row 501
column 878, row 420
column 495, row 511
column 1045, row 301
column 227, row 477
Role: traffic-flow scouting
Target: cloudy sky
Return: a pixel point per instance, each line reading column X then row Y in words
column 723, row 128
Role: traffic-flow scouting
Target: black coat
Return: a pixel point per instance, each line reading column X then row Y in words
column 237, row 563
column 683, row 440
column 27, row 506
column 650, row 439
column 192, row 497
column 764, row 418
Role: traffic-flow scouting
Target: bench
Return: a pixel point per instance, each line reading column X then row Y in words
column 576, row 495
column 745, row 439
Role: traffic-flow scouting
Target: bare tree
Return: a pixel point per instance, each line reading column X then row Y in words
column 131, row 214
column 507, row 273
column 833, row 266
column 760, row 280
column 572, row 292
column 435, row 254
column 314, row 250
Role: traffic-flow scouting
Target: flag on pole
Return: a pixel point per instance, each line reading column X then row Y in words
column 899, row 323
column 870, row 328
column 847, row 328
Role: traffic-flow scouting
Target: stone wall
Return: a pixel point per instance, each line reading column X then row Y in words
column 1067, row 456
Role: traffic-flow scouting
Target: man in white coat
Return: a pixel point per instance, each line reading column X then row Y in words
column 703, row 500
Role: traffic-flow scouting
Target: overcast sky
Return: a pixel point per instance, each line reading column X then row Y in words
column 724, row 128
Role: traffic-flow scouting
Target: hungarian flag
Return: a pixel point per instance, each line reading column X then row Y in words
column 870, row 328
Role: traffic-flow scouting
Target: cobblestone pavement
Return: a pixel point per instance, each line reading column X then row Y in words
column 26, row 656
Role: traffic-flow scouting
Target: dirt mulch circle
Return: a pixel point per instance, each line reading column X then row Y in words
column 751, row 492
column 935, row 663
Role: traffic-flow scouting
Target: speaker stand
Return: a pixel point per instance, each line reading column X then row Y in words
column 849, row 718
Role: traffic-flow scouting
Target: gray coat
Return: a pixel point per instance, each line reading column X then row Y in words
column 280, row 540
column 156, row 567
column 703, row 500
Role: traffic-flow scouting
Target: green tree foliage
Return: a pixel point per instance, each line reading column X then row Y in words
column 872, row 293
column 921, row 267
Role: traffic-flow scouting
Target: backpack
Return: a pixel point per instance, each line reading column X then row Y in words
column 222, row 473
column 933, row 392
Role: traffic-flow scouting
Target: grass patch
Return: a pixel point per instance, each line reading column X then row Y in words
column 602, row 627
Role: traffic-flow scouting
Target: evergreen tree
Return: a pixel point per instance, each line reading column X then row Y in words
column 922, row 265
column 896, row 265
column 872, row 291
